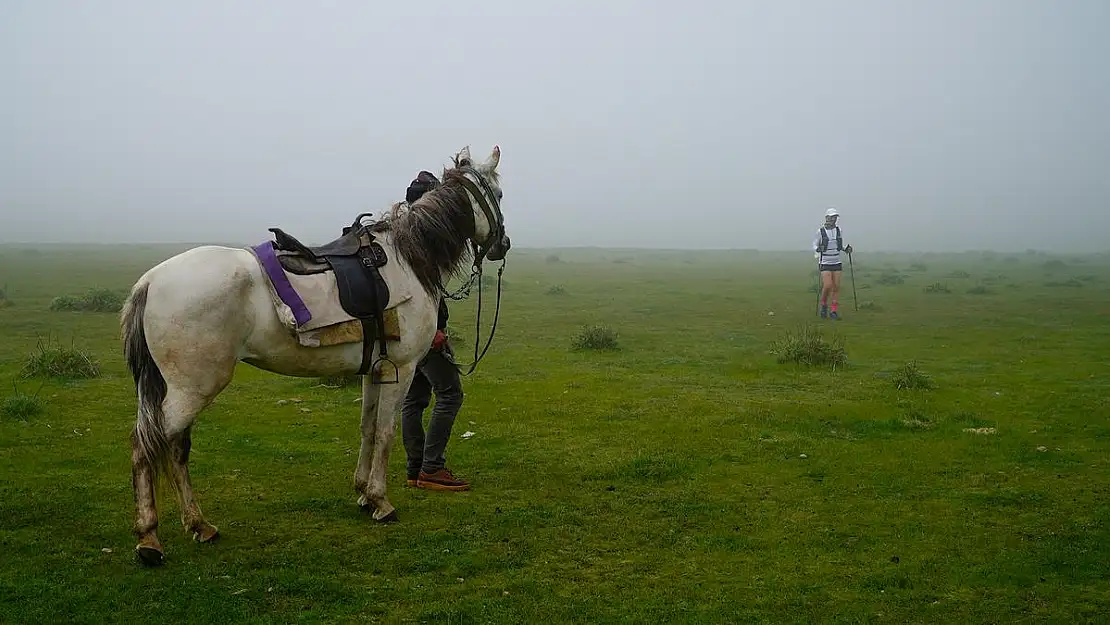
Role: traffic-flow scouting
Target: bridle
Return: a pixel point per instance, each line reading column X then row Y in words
column 491, row 208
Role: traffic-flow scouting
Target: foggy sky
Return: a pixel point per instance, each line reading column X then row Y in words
column 930, row 125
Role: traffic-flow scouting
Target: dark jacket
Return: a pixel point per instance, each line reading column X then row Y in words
column 442, row 324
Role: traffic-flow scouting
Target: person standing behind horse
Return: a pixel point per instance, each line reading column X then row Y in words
column 827, row 246
column 436, row 372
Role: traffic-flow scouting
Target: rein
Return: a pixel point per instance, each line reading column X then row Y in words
column 465, row 290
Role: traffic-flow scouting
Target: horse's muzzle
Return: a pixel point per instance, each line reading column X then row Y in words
column 499, row 249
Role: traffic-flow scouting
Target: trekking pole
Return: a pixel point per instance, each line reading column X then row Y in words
column 852, row 269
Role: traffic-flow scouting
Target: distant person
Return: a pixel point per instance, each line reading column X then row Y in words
column 436, row 372
column 827, row 246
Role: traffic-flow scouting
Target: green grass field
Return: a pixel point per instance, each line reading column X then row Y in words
column 685, row 477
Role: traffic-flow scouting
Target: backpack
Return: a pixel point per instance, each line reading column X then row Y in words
column 824, row 247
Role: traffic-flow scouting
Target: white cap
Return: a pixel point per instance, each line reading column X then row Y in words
column 831, row 212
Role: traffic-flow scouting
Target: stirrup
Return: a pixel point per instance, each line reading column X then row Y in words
column 379, row 372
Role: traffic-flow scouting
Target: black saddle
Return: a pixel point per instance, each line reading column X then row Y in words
column 348, row 244
column 355, row 258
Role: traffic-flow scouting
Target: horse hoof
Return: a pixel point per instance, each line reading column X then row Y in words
column 389, row 518
column 150, row 556
column 207, row 533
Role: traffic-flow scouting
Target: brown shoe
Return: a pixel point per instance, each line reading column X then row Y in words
column 441, row 480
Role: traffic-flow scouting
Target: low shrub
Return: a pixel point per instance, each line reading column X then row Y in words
column 594, row 337
column 21, row 405
column 909, row 376
column 60, row 362
column 891, row 278
column 1070, row 282
column 937, row 287
column 808, row 346
column 95, row 300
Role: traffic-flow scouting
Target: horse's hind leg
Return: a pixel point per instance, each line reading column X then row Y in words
column 143, row 476
column 180, row 411
column 191, row 517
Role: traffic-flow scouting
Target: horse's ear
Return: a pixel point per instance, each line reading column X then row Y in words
column 494, row 158
column 462, row 159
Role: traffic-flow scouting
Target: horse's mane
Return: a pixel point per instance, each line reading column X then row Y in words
column 431, row 234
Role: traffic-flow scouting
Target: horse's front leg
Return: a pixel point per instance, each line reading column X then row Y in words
column 381, row 426
column 366, row 446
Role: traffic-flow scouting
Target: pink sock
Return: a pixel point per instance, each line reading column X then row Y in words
column 834, row 305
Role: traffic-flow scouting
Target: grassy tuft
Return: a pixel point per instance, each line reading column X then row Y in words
column 808, row 347
column 909, row 377
column 1070, row 282
column 594, row 337
column 891, row 278
column 937, row 287
column 557, row 289
column 65, row 303
column 22, row 406
column 979, row 289
column 95, row 300
column 60, row 362
column 870, row 305
column 959, row 273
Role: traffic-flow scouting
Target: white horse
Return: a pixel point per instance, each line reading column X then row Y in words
column 189, row 319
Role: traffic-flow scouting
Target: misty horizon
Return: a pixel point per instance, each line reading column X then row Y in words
column 931, row 127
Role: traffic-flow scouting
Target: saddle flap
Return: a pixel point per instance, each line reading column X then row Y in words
column 362, row 291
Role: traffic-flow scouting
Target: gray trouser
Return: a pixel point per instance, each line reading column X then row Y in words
column 434, row 373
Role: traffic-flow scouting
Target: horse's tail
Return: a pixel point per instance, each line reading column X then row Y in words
column 149, row 435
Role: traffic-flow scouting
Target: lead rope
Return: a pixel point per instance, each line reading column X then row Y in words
column 478, row 318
